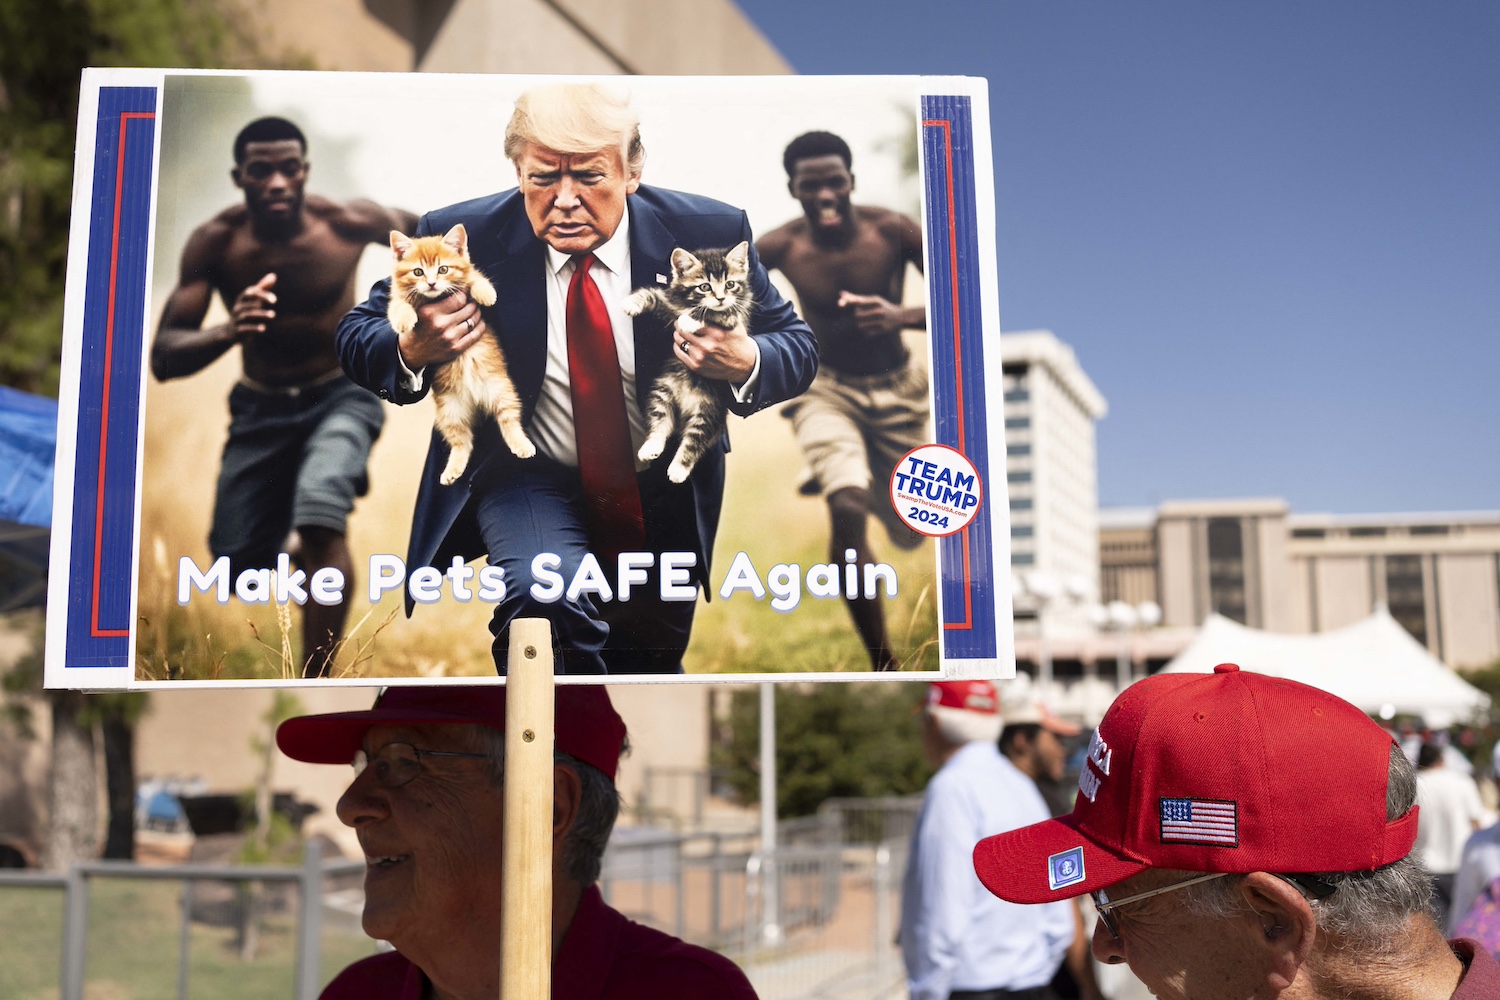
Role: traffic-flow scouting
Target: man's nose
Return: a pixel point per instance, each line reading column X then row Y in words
column 1106, row 947
column 363, row 801
column 567, row 194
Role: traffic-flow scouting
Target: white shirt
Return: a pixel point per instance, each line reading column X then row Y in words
column 551, row 423
column 1450, row 811
column 955, row 934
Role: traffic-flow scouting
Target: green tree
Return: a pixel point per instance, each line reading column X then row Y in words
column 44, row 47
column 79, row 723
column 832, row 740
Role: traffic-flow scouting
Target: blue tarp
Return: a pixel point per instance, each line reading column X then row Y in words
column 28, row 448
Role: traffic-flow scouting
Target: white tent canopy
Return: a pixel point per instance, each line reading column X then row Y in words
column 1374, row 664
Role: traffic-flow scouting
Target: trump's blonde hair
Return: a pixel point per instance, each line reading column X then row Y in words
column 576, row 118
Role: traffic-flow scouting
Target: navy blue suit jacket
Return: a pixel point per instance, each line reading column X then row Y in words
column 503, row 246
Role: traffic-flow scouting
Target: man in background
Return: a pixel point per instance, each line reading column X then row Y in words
column 960, row 942
column 868, row 406
column 1032, row 740
column 1451, row 812
column 283, row 264
column 426, row 803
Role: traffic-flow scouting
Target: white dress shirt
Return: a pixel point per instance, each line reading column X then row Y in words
column 955, row 934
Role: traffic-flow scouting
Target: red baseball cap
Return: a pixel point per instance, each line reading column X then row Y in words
column 1231, row 771
column 586, row 724
column 973, row 696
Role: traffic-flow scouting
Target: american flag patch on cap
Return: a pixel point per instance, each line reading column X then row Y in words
column 1200, row 821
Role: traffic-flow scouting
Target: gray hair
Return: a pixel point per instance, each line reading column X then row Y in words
column 598, row 807
column 576, row 118
column 1368, row 909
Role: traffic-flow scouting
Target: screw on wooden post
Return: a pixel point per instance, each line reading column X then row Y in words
column 526, row 856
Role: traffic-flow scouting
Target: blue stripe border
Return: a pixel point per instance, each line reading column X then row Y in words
column 956, row 330
column 103, row 541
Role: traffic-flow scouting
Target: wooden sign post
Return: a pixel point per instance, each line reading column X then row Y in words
column 526, row 858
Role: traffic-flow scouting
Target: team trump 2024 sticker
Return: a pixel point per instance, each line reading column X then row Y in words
column 936, row 490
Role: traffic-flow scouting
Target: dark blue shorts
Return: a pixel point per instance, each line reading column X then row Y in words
column 291, row 461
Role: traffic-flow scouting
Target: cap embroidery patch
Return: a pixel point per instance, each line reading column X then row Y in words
column 1065, row 869
column 1214, row 822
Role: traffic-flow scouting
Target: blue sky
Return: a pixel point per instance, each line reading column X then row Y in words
column 1270, row 230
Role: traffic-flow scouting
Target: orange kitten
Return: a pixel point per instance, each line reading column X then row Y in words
column 475, row 383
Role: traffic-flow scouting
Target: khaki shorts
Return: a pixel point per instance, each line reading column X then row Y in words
column 853, row 429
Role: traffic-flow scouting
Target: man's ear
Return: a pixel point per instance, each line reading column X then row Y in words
column 1287, row 925
column 567, row 793
column 234, row 176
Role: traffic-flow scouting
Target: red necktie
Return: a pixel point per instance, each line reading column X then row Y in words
column 606, row 463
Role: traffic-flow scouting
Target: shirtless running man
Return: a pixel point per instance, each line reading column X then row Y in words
column 868, row 405
column 300, row 432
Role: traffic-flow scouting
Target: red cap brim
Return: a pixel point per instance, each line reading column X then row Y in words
column 1031, row 865
column 586, row 724
column 335, row 738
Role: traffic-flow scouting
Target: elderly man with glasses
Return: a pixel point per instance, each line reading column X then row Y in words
column 1245, row 836
column 425, row 802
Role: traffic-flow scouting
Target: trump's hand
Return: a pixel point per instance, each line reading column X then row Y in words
column 445, row 328
column 714, row 352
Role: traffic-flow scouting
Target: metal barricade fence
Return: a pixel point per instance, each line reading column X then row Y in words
column 830, row 933
column 77, row 883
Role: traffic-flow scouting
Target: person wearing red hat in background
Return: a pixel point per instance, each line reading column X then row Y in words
column 1032, row 740
column 959, row 942
column 426, row 805
column 1245, row 836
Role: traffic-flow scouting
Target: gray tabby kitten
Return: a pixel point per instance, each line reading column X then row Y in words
column 711, row 287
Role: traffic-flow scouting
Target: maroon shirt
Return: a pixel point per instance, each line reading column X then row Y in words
column 1482, row 980
column 604, row 956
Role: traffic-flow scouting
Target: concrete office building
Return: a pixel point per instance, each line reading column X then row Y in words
column 1259, row 564
column 1052, row 476
column 667, row 37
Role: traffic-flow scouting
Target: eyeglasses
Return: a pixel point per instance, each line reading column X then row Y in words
column 398, row 763
column 259, row 170
column 1105, row 905
column 1311, row 887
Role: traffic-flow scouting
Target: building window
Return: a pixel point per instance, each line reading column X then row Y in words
column 1023, row 558
column 1018, row 477
column 1020, row 503
column 1366, row 532
column 1429, row 529
column 1018, row 449
column 1309, row 533
column 1016, row 423
column 1022, row 530
column 1404, row 596
column 1226, row 568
